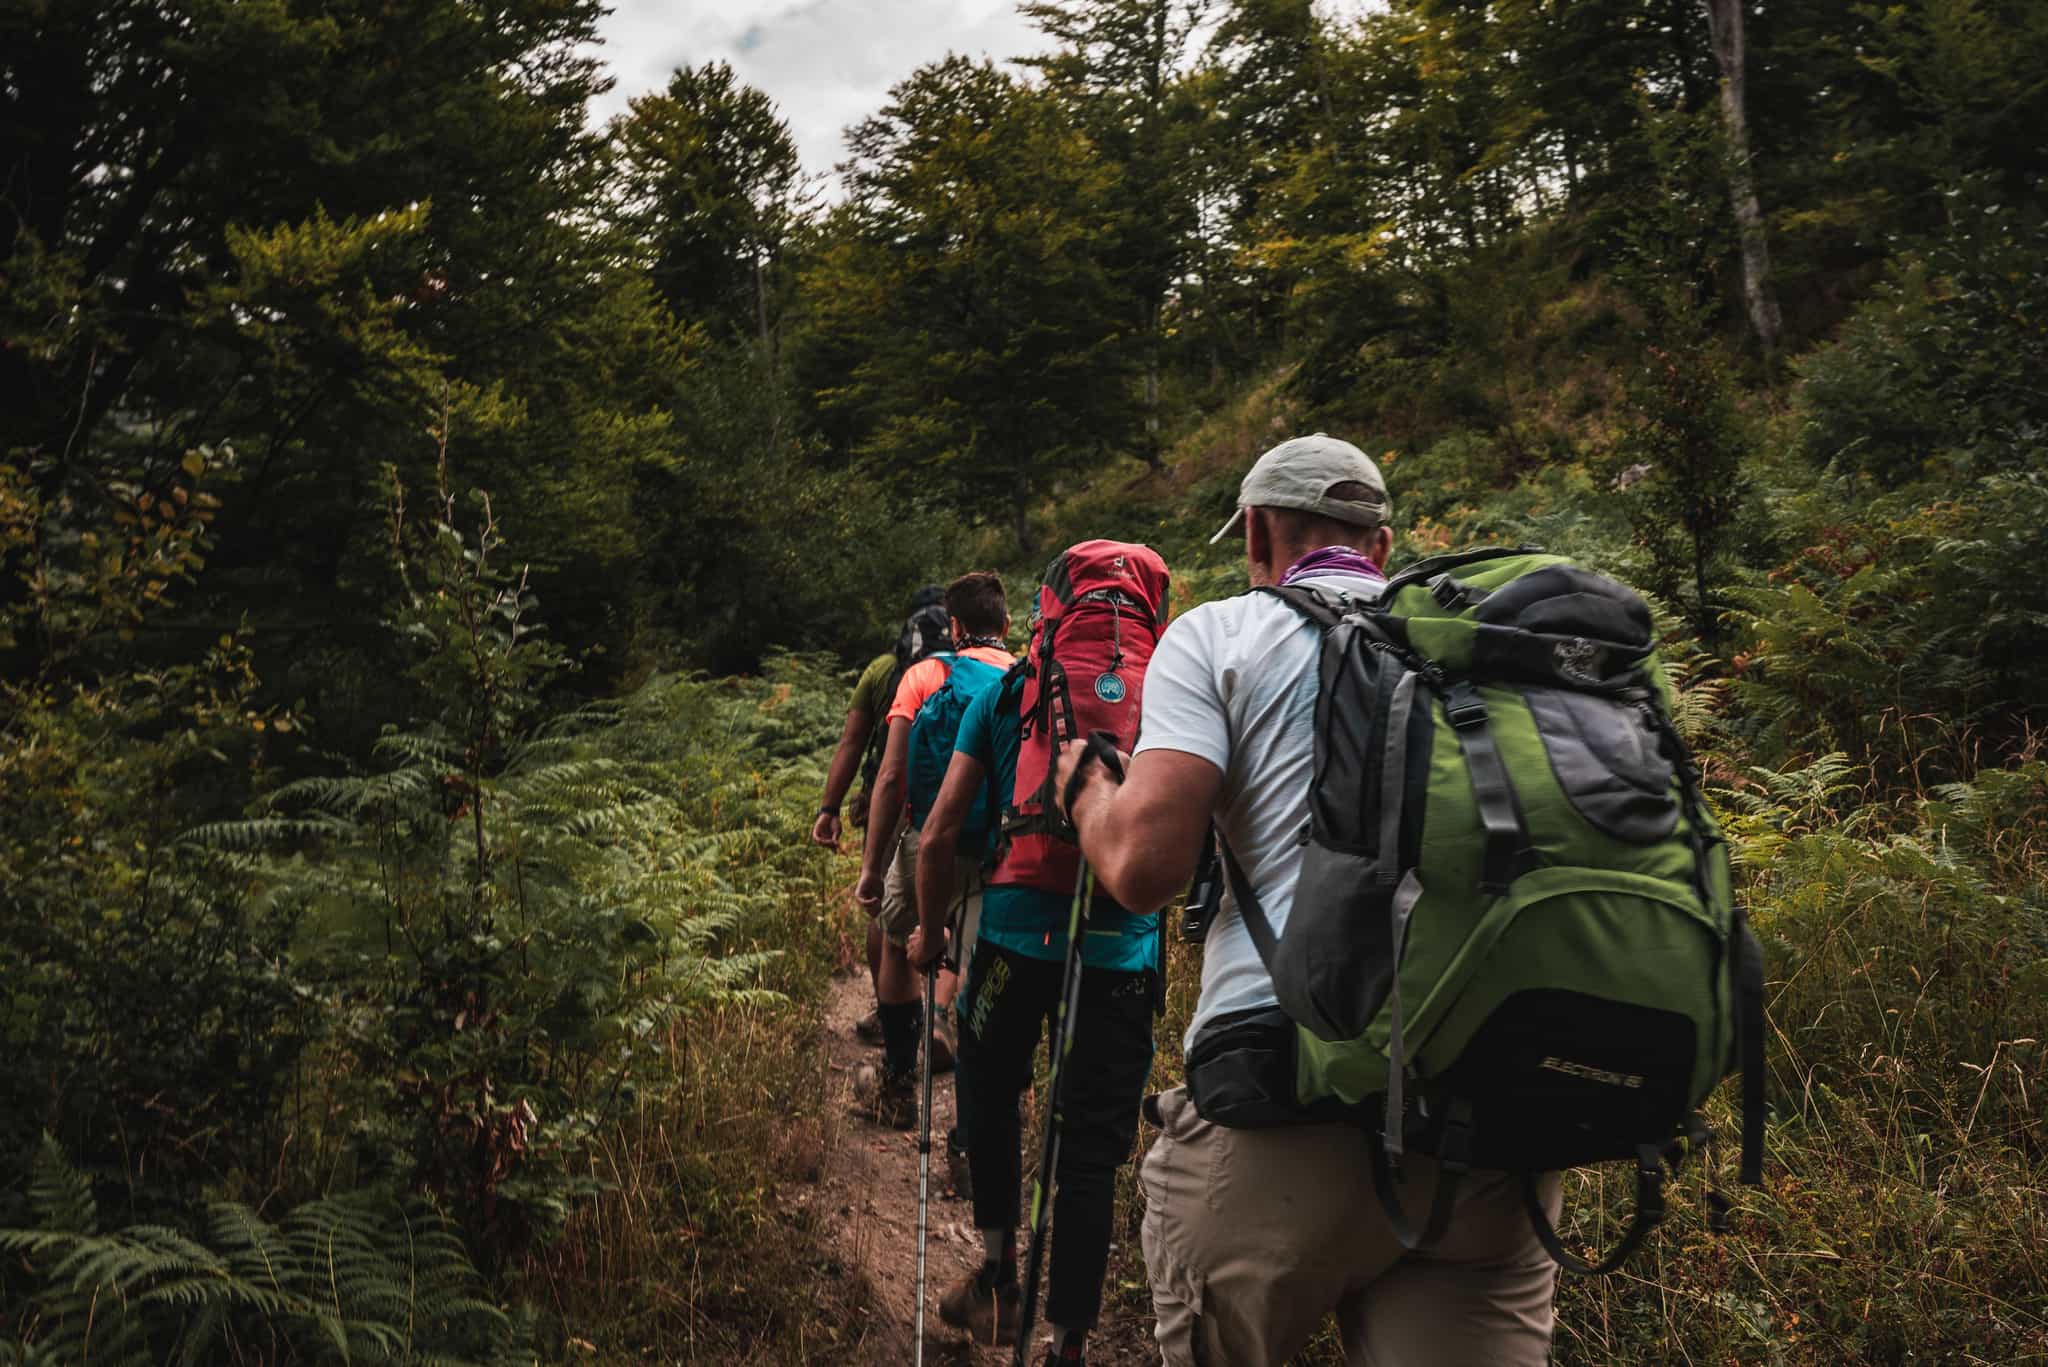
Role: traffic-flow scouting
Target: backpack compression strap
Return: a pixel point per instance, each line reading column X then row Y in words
column 1649, row 1213
column 1745, row 960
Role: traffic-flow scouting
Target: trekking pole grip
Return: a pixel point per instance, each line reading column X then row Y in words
column 1100, row 748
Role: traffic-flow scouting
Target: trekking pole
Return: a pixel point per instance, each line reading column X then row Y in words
column 924, row 1152
column 1049, row 1144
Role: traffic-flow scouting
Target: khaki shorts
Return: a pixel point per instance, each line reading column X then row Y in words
column 899, row 896
column 1252, row 1236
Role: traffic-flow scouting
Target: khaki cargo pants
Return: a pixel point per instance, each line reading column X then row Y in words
column 899, row 896
column 1252, row 1236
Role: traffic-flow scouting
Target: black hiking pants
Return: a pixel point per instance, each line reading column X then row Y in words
column 1007, row 1006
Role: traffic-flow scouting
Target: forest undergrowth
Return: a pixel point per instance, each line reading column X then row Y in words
column 411, row 491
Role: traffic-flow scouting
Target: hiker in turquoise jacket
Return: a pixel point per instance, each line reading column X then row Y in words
column 1009, row 993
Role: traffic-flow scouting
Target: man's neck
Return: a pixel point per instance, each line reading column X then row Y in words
column 1270, row 572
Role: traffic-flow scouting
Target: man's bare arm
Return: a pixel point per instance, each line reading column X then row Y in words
column 853, row 739
column 1143, row 835
column 935, row 849
column 884, row 812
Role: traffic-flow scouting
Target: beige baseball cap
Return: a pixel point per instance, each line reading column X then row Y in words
column 1300, row 473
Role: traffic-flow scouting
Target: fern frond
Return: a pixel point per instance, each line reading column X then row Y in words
column 59, row 1196
column 259, row 833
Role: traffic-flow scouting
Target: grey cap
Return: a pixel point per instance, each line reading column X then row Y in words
column 1300, row 473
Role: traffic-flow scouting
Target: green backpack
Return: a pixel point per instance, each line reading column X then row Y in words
column 1502, row 809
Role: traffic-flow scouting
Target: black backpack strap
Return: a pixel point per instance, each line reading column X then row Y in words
column 1309, row 602
column 1499, row 814
column 1454, row 1160
column 1649, row 1213
column 1249, row 908
column 1745, row 956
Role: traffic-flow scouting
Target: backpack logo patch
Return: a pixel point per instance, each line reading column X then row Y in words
column 1572, row 1068
column 1109, row 688
column 1579, row 660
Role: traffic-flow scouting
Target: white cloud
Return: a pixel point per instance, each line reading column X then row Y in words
column 826, row 63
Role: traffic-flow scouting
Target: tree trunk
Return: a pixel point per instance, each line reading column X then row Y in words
column 1153, row 321
column 1724, row 25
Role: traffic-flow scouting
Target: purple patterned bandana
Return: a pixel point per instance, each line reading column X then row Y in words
column 1332, row 560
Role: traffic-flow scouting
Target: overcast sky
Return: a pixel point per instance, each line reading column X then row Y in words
column 827, row 63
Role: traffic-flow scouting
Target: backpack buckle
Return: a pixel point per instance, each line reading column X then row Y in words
column 1453, row 594
column 1464, row 706
column 1454, row 1145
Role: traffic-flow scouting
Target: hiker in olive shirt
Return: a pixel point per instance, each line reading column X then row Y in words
column 924, row 631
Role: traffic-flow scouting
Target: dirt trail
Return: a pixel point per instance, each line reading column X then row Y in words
column 869, row 1191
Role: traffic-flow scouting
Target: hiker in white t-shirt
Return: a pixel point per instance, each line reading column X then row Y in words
column 1252, row 1236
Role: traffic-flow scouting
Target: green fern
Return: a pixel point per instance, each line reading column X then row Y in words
column 360, row 1277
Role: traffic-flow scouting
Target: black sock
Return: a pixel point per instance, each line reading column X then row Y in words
column 901, row 1024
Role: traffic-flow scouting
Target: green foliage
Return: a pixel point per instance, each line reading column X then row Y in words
column 103, row 752
column 1937, row 374
column 710, row 189
column 362, row 1278
column 517, row 914
column 1906, row 955
column 993, row 356
column 1677, row 464
column 1906, row 631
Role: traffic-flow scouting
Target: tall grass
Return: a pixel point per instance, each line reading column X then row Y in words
column 695, row 1245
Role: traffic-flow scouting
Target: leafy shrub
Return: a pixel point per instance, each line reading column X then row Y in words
column 1939, row 371
column 508, row 916
column 1677, row 468
column 150, row 1016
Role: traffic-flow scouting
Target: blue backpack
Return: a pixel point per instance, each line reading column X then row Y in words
column 932, row 733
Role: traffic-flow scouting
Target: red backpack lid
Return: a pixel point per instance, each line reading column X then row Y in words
column 1087, row 569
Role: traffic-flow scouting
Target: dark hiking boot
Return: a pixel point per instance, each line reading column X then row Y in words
column 957, row 1170
column 868, row 1029
column 886, row 1098
column 1064, row 1355
column 987, row 1309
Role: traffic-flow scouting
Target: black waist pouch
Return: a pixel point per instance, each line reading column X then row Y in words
column 1240, row 1073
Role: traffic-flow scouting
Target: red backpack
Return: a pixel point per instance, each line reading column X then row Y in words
column 1101, row 606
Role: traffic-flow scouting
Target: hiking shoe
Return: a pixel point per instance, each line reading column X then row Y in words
column 986, row 1309
column 944, row 1043
column 868, row 1029
column 1063, row 1355
column 886, row 1098
column 957, row 1170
